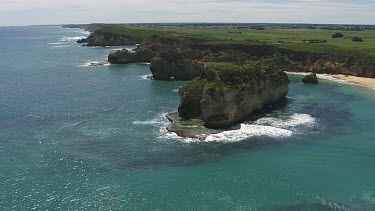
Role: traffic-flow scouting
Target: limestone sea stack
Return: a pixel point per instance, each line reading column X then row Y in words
column 310, row 79
column 231, row 93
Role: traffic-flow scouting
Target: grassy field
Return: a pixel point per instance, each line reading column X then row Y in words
column 295, row 39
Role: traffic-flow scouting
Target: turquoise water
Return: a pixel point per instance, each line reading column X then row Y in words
column 79, row 137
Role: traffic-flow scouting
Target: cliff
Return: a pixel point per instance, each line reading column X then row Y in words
column 125, row 57
column 195, row 49
column 171, row 64
column 232, row 94
column 100, row 38
column 310, row 79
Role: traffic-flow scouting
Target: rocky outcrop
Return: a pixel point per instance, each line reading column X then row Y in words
column 87, row 27
column 125, row 57
column 232, row 95
column 223, row 109
column 310, row 79
column 171, row 64
column 192, row 128
column 191, row 96
column 103, row 39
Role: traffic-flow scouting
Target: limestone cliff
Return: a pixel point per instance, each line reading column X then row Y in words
column 100, row 38
column 125, row 57
column 170, row 63
column 232, row 95
column 311, row 79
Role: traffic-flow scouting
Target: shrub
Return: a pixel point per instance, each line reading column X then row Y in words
column 357, row 39
column 337, row 35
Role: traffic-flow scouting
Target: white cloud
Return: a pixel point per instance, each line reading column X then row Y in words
column 20, row 12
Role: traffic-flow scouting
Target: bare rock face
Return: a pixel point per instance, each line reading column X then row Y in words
column 223, row 109
column 310, row 79
column 231, row 95
column 170, row 64
column 125, row 57
column 191, row 97
column 100, row 38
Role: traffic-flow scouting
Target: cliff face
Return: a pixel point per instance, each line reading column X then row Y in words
column 177, row 56
column 223, row 109
column 231, row 95
column 107, row 39
column 125, row 57
column 310, row 79
column 168, row 64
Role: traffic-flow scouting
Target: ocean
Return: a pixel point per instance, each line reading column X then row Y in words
column 76, row 136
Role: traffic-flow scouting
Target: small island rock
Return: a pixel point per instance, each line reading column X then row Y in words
column 310, row 79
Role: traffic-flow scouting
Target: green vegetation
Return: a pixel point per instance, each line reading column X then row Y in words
column 357, row 39
column 232, row 76
column 311, row 79
column 337, row 35
column 190, row 122
column 307, row 47
column 291, row 38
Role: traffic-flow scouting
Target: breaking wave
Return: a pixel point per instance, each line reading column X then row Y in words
column 145, row 77
column 71, row 39
column 55, row 43
column 268, row 127
column 246, row 131
column 94, row 64
column 324, row 76
column 272, row 127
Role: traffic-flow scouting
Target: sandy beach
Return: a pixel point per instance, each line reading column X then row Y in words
column 368, row 82
column 353, row 80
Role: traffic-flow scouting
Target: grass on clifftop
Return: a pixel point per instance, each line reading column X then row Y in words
column 296, row 39
column 231, row 76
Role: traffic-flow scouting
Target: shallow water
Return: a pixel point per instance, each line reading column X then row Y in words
column 74, row 136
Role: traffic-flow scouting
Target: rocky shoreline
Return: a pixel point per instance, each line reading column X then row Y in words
column 228, row 81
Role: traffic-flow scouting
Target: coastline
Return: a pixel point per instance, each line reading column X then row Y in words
column 340, row 78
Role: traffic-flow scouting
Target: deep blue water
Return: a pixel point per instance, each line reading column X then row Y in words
column 73, row 136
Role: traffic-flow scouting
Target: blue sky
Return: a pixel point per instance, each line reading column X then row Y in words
column 22, row 12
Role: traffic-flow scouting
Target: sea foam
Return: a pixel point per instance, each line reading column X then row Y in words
column 94, row 64
column 278, row 128
column 325, row 77
column 145, row 77
column 246, row 131
column 71, row 39
column 267, row 127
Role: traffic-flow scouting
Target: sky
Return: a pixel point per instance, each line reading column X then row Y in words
column 32, row 12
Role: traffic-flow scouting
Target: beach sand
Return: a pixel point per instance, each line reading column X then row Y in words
column 368, row 82
column 353, row 80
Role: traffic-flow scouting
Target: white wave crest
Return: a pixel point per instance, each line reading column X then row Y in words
column 153, row 122
column 292, row 122
column 71, row 39
column 268, row 126
column 323, row 76
column 145, row 77
column 248, row 131
column 94, row 64
column 330, row 78
column 86, row 32
column 55, row 43
column 265, row 127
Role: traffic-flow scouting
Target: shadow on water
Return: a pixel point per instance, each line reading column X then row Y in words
column 306, row 207
column 153, row 153
column 131, row 147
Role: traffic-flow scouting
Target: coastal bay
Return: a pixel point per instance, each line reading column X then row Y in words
column 97, row 134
